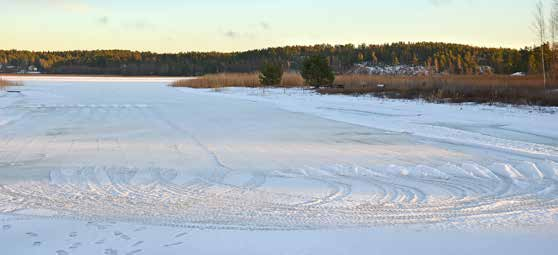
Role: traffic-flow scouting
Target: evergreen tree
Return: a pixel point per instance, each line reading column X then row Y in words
column 394, row 59
column 341, row 58
column 360, row 57
column 317, row 72
column 271, row 74
column 533, row 67
column 374, row 58
column 415, row 60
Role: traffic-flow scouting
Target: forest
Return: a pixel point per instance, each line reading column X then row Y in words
column 438, row 57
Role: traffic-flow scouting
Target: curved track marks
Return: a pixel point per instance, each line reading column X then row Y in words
column 150, row 194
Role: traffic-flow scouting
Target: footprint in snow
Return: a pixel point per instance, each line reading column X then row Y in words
column 137, row 243
column 173, row 244
column 125, row 237
column 75, row 246
column 37, row 243
column 73, row 234
column 134, row 252
column 111, row 252
column 61, row 252
column 180, row 235
column 6, row 227
column 102, row 241
column 31, row 234
column 140, row 229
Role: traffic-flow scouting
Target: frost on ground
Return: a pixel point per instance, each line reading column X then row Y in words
column 100, row 158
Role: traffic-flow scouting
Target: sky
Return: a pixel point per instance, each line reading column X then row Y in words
column 236, row 25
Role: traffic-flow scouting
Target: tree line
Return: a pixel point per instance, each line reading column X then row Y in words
column 438, row 57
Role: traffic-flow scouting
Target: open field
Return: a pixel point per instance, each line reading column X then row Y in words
column 111, row 166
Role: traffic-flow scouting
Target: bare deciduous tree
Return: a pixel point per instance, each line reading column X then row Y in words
column 553, row 21
column 539, row 26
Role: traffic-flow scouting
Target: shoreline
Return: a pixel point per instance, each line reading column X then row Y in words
column 90, row 78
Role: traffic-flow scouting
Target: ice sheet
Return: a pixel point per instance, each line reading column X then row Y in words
column 147, row 154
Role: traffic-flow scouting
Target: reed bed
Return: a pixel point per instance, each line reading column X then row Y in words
column 528, row 90
column 5, row 83
column 250, row 80
column 524, row 90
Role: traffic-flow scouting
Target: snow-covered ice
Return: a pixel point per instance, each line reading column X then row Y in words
column 84, row 162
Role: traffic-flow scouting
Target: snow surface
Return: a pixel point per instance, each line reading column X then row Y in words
column 367, row 68
column 137, row 167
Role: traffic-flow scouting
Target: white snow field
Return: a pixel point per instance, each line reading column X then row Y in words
column 105, row 165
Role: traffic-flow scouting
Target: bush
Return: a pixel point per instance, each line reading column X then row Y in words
column 317, row 72
column 271, row 74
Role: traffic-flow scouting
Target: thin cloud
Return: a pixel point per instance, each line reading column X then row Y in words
column 440, row 2
column 139, row 25
column 265, row 25
column 66, row 5
column 103, row 20
column 231, row 34
column 236, row 35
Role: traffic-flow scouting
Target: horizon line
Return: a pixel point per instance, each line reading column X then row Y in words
column 274, row 47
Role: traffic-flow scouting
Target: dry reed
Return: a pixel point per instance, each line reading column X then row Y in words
column 5, row 83
column 250, row 80
column 443, row 88
column 450, row 88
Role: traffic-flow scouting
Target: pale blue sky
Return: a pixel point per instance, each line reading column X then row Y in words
column 229, row 25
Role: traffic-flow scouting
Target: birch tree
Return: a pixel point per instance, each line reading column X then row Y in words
column 553, row 22
column 539, row 26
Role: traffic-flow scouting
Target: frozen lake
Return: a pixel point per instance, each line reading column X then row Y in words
column 111, row 159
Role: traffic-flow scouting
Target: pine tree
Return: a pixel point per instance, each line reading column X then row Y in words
column 532, row 65
column 415, row 60
column 360, row 57
column 271, row 74
column 395, row 60
column 317, row 72
column 374, row 58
